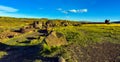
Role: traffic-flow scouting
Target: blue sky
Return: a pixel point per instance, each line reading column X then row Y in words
column 88, row 10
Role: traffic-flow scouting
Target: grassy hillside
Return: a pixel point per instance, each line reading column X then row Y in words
column 85, row 41
column 90, row 34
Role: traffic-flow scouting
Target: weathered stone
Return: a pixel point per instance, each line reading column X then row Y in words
column 22, row 30
column 61, row 59
column 55, row 39
column 35, row 24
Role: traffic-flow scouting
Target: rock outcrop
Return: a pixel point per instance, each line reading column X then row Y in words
column 55, row 39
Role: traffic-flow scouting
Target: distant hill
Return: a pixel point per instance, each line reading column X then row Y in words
column 92, row 22
column 116, row 22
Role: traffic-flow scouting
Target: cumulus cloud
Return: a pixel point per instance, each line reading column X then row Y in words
column 73, row 10
column 78, row 10
column 7, row 9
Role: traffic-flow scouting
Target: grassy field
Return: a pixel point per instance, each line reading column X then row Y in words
column 81, row 38
column 90, row 34
column 82, row 41
column 85, row 34
column 95, row 25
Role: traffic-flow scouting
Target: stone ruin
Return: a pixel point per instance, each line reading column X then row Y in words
column 64, row 24
column 48, row 26
column 30, row 27
column 22, row 30
column 35, row 24
column 25, row 29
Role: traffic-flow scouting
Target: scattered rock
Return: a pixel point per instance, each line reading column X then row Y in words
column 61, row 59
column 55, row 39
column 35, row 24
column 22, row 30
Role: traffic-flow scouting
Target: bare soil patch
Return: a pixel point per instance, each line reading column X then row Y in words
column 105, row 52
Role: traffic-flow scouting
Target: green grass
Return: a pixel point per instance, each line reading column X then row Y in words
column 37, row 41
column 2, row 53
column 37, row 60
column 86, row 35
column 50, row 51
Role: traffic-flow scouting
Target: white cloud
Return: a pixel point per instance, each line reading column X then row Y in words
column 83, row 10
column 78, row 10
column 10, row 11
column 60, row 9
column 7, row 9
column 73, row 11
column 65, row 12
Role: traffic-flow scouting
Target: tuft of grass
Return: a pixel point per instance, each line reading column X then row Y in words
column 50, row 51
column 37, row 60
column 37, row 41
column 2, row 54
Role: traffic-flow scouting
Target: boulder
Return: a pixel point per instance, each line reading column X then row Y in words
column 61, row 59
column 55, row 39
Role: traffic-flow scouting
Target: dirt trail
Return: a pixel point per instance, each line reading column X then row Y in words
column 105, row 52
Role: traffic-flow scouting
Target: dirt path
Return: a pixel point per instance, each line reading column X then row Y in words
column 105, row 52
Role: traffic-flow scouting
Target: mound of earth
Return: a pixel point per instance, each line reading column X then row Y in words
column 105, row 52
column 55, row 39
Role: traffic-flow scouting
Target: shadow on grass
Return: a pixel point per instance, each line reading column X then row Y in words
column 23, row 54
